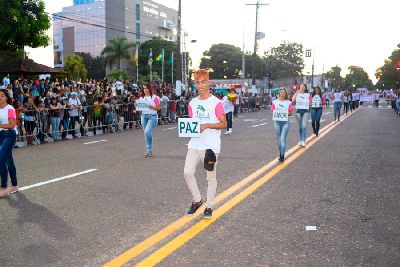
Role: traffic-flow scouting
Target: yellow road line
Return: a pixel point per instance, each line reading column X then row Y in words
column 186, row 236
column 173, row 227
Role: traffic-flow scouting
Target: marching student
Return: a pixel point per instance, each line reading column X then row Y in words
column 282, row 108
column 302, row 101
column 317, row 102
column 229, row 105
column 346, row 102
column 206, row 148
column 7, row 141
column 149, row 118
column 337, row 103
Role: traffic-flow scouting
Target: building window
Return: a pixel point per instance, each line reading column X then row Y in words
column 137, row 31
column 57, row 58
column 137, row 12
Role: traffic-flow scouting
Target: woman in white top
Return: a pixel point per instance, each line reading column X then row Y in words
column 149, row 118
column 7, row 141
column 281, row 108
column 337, row 103
column 302, row 101
column 317, row 102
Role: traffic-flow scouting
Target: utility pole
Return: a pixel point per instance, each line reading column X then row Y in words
column 178, row 83
column 253, row 77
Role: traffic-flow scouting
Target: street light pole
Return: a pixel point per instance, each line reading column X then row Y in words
column 178, row 83
column 253, row 77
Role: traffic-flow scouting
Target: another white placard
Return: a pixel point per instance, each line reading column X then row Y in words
column 188, row 127
column 303, row 101
column 280, row 115
column 142, row 105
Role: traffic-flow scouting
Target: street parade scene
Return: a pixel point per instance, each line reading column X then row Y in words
column 144, row 133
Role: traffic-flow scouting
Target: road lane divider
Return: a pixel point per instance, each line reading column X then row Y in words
column 157, row 237
column 56, row 179
column 198, row 227
column 94, row 142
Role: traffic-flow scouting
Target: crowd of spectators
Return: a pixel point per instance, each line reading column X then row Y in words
column 55, row 110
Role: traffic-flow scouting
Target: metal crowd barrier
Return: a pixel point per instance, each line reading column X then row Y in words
column 40, row 127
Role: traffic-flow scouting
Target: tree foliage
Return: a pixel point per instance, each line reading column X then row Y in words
column 117, row 50
column 357, row 78
column 284, row 61
column 388, row 75
column 333, row 75
column 95, row 65
column 156, row 45
column 119, row 74
column 23, row 23
column 75, row 67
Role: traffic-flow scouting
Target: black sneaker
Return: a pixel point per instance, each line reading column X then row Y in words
column 195, row 206
column 208, row 213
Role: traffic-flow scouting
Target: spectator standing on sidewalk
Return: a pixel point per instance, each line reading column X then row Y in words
column 74, row 109
column 7, row 142
column 206, row 148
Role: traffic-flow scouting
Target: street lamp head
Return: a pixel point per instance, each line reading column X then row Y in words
column 193, row 41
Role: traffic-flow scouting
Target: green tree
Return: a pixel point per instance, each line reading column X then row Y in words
column 284, row 61
column 388, row 75
column 357, row 78
column 23, row 23
column 117, row 50
column 157, row 45
column 119, row 74
column 224, row 59
column 75, row 67
column 95, row 65
column 333, row 75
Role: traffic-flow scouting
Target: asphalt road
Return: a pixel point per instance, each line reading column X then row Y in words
column 346, row 184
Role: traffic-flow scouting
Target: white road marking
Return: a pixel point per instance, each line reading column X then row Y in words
column 171, row 128
column 56, row 179
column 259, row 125
column 93, row 142
column 250, row 120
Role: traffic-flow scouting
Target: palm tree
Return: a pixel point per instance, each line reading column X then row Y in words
column 117, row 50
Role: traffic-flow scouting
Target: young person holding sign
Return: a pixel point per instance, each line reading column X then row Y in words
column 317, row 102
column 209, row 112
column 302, row 101
column 281, row 108
column 337, row 103
column 148, row 104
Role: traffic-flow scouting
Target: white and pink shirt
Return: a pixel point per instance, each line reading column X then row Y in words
column 207, row 111
column 7, row 113
column 338, row 97
column 280, row 110
column 153, row 101
column 302, row 100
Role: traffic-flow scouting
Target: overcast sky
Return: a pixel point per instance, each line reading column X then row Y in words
column 340, row 32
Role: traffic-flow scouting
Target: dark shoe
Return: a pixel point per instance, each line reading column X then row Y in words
column 207, row 213
column 195, row 206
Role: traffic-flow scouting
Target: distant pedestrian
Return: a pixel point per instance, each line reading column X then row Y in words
column 206, row 148
column 337, row 103
column 302, row 101
column 229, row 105
column 149, row 118
column 317, row 102
column 346, row 102
column 7, row 141
column 282, row 108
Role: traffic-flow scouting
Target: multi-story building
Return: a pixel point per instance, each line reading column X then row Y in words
column 89, row 25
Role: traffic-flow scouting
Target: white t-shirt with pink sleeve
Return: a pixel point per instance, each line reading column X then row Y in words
column 207, row 111
column 153, row 101
column 7, row 113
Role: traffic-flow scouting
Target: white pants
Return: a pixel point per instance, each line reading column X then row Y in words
column 193, row 157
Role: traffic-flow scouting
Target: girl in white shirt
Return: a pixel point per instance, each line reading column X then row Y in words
column 302, row 101
column 281, row 108
column 8, row 137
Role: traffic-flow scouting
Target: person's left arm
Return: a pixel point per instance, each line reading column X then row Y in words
column 12, row 120
column 157, row 106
